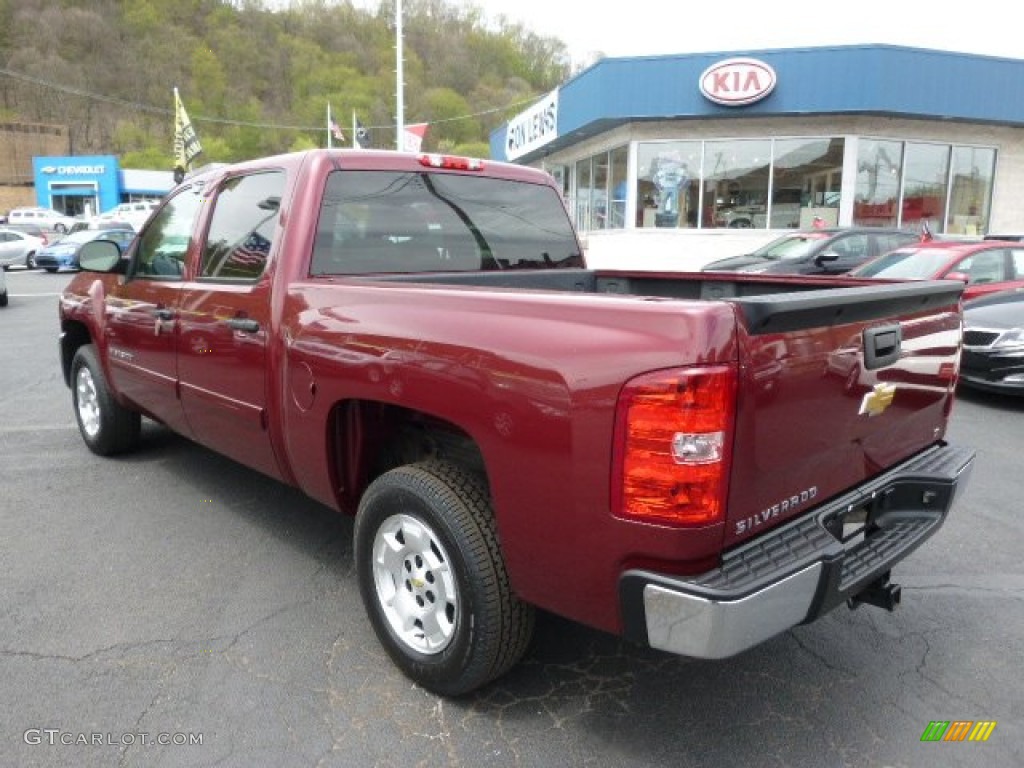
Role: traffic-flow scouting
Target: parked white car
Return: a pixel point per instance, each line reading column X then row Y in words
column 134, row 214
column 17, row 248
column 47, row 218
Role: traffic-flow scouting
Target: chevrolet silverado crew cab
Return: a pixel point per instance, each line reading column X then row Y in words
column 685, row 460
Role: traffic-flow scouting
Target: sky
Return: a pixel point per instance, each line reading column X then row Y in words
column 645, row 27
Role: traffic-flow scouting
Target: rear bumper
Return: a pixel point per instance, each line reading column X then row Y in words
column 798, row 571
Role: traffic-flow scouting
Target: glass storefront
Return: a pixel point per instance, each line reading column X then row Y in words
column 972, row 171
column 784, row 184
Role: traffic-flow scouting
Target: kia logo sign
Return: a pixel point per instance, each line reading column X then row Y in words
column 737, row 82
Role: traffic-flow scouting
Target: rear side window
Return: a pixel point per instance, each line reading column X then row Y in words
column 852, row 247
column 245, row 215
column 891, row 242
column 393, row 222
column 1018, row 264
column 984, row 267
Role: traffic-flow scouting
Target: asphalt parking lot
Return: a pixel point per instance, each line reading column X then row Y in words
column 174, row 596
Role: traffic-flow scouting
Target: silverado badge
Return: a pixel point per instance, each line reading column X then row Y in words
column 877, row 400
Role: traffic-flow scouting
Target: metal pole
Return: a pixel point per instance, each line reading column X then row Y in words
column 400, row 85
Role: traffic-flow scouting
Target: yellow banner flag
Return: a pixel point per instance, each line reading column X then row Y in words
column 186, row 143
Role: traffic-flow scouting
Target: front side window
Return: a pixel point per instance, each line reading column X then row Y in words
column 163, row 245
column 245, row 216
column 411, row 222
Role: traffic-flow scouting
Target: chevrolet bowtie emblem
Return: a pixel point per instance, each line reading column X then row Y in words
column 877, row 400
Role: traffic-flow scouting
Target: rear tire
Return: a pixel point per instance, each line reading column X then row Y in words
column 433, row 580
column 106, row 426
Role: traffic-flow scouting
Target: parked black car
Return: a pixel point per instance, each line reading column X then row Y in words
column 993, row 355
column 828, row 251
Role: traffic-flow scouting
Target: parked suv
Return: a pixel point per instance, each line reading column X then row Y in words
column 47, row 218
column 828, row 251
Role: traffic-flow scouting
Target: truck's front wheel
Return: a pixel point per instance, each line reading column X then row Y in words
column 433, row 579
column 106, row 426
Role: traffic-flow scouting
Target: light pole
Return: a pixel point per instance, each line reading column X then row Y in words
column 399, row 85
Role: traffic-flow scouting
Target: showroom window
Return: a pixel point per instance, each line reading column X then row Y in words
column 739, row 183
column 879, row 165
column 907, row 184
column 600, row 198
column 618, row 179
column 583, row 201
column 806, row 182
column 668, row 184
column 970, row 190
column 926, row 172
column 786, row 183
column 736, row 177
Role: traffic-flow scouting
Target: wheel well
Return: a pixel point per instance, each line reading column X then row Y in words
column 73, row 336
column 368, row 438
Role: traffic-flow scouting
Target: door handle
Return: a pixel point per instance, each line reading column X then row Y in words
column 162, row 315
column 244, row 324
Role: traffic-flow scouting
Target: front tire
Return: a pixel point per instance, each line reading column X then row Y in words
column 106, row 426
column 433, row 580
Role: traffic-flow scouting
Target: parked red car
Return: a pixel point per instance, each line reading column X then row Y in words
column 986, row 266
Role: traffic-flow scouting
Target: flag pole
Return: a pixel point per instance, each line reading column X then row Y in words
column 328, row 125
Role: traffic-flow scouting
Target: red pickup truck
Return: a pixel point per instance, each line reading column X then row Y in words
column 416, row 340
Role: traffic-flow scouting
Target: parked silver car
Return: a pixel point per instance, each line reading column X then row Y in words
column 18, row 248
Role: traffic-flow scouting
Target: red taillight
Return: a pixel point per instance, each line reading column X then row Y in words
column 452, row 162
column 673, row 442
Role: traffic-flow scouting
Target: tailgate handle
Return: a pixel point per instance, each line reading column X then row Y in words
column 881, row 346
column 243, row 324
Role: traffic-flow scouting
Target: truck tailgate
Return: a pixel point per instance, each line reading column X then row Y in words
column 833, row 390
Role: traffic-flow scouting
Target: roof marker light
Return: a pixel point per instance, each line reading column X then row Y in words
column 452, row 162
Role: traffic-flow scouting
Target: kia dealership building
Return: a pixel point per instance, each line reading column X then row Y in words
column 768, row 140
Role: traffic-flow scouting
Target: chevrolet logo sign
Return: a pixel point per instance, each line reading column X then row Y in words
column 877, row 400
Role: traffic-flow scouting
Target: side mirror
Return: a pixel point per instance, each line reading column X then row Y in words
column 958, row 276
column 101, row 256
column 821, row 258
